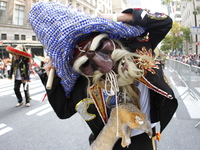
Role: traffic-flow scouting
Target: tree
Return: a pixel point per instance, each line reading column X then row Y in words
column 186, row 36
column 167, row 2
column 166, row 44
column 173, row 41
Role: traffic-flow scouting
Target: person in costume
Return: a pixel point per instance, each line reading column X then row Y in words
column 20, row 69
column 91, row 55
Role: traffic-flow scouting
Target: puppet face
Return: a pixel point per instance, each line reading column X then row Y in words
column 94, row 54
column 102, row 58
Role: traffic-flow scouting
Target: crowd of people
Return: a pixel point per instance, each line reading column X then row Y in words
column 192, row 59
column 5, row 66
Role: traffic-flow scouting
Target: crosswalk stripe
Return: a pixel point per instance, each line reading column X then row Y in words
column 5, row 130
column 38, row 97
column 44, row 111
column 37, row 109
column 174, row 116
column 2, row 125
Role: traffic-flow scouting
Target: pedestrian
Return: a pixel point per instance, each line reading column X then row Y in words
column 8, row 66
column 100, row 63
column 2, row 68
column 20, row 68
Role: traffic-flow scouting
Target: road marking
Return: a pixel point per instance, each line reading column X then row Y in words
column 39, row 97
column 174, row 116
column 2, row 125
column 44, row 111
column 4, row 130
column 37, row 109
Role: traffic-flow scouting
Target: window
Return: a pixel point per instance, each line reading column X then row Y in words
column 2, row 12
column 34, row 38
column 77, row 6
column 84, row 9
column 3, row 37
column 16, row 37
column 19, row 15
column 23, row 37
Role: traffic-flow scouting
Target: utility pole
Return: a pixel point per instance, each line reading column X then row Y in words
column 195, row 22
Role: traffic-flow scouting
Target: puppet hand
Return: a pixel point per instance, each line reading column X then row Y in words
column 49, row 66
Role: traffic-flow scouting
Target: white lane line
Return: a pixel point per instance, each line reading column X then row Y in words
column 36, row 90
column 44, row 111
column 2, row 125
column 174, row 116
column 4, row 130
column 37, row 109
column 39, row 97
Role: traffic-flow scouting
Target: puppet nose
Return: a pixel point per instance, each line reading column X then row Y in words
column 100, row 61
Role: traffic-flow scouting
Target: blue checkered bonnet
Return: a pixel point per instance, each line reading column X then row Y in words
column 59, row 28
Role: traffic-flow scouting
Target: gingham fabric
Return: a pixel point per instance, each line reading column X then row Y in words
column 59, row 28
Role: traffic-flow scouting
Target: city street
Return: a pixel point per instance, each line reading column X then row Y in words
column 38, row 128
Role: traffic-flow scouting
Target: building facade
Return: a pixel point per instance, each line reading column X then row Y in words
column 190, row 17
column 15, row 28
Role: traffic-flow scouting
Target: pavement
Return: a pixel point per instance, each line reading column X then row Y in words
column 181, row 130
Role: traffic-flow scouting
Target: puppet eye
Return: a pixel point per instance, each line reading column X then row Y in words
column 106, row 46
column 106, row 51
column 80, row 49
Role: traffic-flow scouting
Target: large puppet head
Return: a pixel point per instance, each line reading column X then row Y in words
column 98, row 55
column 59, row 29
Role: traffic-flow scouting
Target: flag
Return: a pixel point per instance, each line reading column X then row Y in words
column 37, row 60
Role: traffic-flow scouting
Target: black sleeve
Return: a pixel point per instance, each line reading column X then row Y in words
column 157, row 25
column 64, row 106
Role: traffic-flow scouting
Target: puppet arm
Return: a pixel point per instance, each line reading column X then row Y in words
column 121, row 17
column 63, row 106
column 156, row 24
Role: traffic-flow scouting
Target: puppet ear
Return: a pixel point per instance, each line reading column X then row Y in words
column 139, row 119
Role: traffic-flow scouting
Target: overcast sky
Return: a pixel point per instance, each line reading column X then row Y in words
column 153, row 5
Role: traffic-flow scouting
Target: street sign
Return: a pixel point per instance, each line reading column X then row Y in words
column 197, row 43
column 195, row 30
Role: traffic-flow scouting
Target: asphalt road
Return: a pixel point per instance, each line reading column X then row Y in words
column 38, row 128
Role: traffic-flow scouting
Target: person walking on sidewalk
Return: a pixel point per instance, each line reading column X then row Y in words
column 20, row 69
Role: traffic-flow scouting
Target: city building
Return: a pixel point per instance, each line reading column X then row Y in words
column 190, row 17
column 15, row 28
